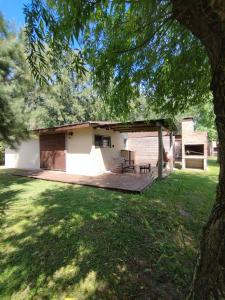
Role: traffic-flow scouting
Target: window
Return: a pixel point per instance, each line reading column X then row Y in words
column 102, row 141
column 98, row 140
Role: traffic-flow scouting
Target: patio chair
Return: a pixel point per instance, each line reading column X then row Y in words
column 145, row 168
column 128, row 166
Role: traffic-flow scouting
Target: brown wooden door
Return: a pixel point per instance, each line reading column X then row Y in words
column 52, row 151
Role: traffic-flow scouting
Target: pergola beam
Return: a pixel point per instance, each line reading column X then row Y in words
column 139, row 129
column 172, row 152
column 137, row 126
column 160, row 158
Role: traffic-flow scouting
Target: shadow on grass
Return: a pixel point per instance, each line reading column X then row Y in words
column 8, row 196
column 7, row 179
column 94, row 244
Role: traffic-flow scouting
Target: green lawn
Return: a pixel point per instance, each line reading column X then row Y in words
column 60, row 240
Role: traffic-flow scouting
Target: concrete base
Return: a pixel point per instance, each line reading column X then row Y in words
column 194, row 163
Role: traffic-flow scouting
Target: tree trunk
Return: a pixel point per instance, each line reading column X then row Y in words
column 206, row 20
column 218, row 151
column 209, row 276
column 160, row 158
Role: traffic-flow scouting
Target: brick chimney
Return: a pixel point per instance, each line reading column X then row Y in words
column 187, row 126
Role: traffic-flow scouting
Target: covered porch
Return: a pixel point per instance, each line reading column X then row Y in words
column 159, row 128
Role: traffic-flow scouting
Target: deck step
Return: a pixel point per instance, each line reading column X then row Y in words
column 117, row 166
column 117, row 169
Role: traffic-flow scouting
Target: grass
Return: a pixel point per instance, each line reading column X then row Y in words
column 59, row 240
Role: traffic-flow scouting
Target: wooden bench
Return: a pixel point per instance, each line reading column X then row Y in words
column 128, row 165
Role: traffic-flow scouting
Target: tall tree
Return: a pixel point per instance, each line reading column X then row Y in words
column 204, row 118
column 68, row 101
column 12, row 81
column 25, row 104
column 169, row 49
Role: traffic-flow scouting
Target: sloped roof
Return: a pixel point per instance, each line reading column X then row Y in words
column 136, row 126
column 66, row 127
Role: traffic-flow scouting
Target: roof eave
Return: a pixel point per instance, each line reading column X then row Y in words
column 62, row 128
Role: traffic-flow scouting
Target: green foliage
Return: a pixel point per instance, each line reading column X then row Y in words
column 132, row 49
column 12, row 82
column 25, row 104
column 59, row 240
column 205, row 119
column 36, row 49
column 68, row 97
column 64, row 102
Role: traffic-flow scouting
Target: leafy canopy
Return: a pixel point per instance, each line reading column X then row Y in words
column 132, row 48
column 24, row 104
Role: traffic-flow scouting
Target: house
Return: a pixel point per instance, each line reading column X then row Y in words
column 85, row 148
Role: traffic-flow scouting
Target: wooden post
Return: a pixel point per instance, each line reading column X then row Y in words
column 160, row 160
column 172, row 152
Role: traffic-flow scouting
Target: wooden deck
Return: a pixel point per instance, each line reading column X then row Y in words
column 135, row 183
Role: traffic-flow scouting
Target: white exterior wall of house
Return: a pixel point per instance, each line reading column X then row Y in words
column 25, row 156
column 83, row 158
column 78, row 149
column 105, row 158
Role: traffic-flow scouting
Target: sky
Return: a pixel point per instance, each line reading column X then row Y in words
column 12, row 10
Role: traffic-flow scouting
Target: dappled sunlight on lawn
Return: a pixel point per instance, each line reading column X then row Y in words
column 60, row 240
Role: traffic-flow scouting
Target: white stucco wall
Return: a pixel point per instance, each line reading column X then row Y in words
column 25, row 156
column 78, row 149
column 83, row 158
column 105, row 158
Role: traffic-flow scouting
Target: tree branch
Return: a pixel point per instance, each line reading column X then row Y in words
column 148, row 39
